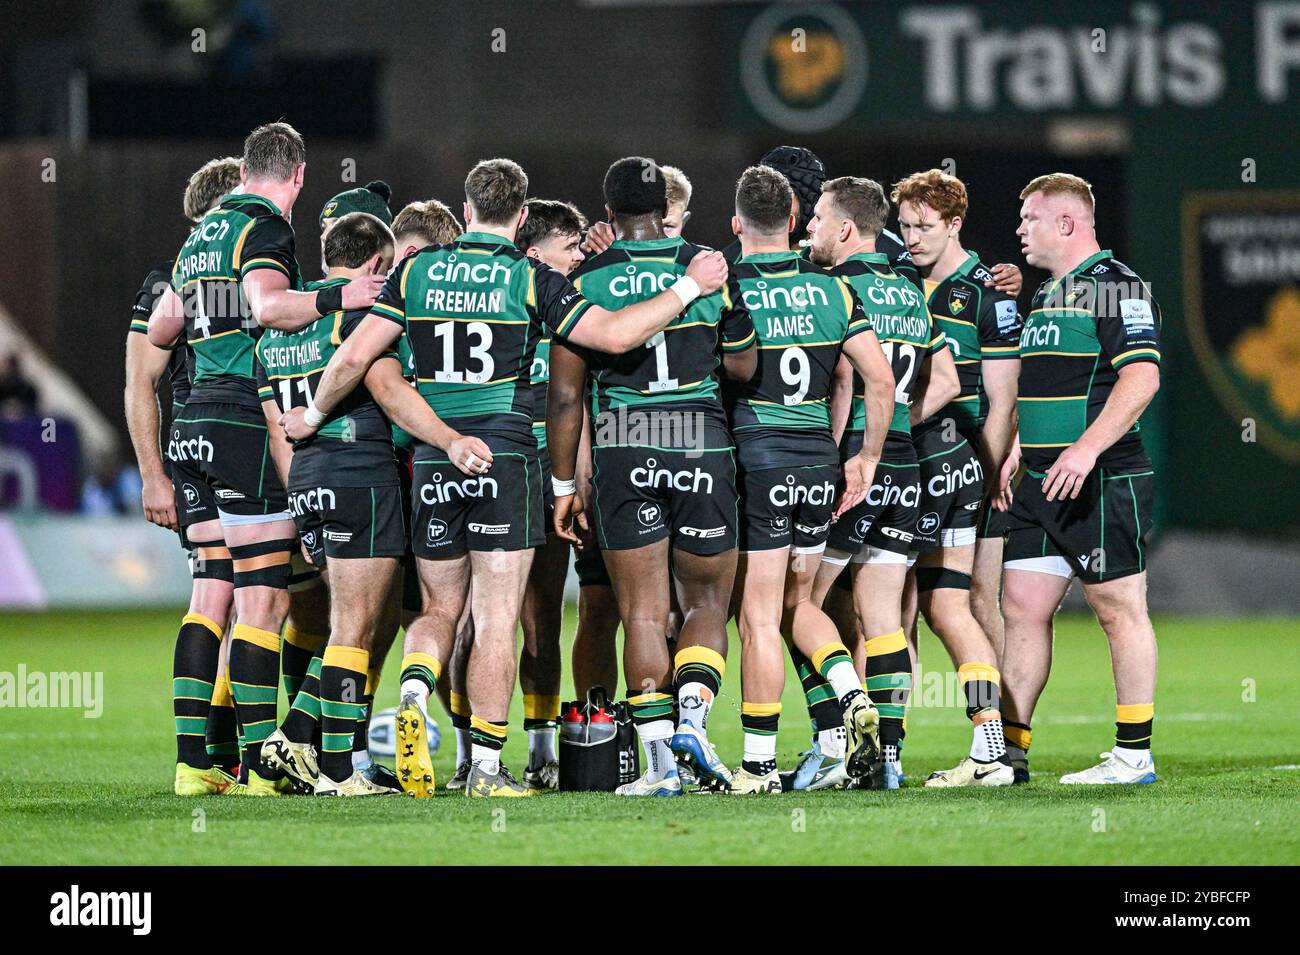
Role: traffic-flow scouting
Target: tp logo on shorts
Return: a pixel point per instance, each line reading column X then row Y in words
column 928, row 524
column 862, row 526
column 437, row 529
column 780, row 522
column 191, row 495
column 649, row 514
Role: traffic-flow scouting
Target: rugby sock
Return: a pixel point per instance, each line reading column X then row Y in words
column 361, row 739
column 254, row 666
column 194, row 673
column 834, row 741
column 1133, row 722
column 823, row 707
column 303, row 720
column 1018, row 736
column 760, row 721
column 488, row 739
column 222, row 737
column 889, row 684
column 833, row 662
column 982, row 682
column 460, row 721
column 296, row 650
column 342, row 694
column 540, row 716
column 652, row 715
column 699, row 672
column 420, row 675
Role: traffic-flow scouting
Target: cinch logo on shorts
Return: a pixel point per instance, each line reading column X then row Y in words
column 437, row 530
column 317, row 499
column 653, row 476
column 704, row 532
column 339, row 537
column 441, row 492
column 887, row 492
column 788, row 495
column 953, row 479
column 197, row 448
column 490, row 528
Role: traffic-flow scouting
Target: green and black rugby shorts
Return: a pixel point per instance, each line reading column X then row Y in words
column 952, row 485
column 1099, row 535
column 224, row 447
column 787, row 507
column 349, row 522
column 643, row 495
column 886, row 518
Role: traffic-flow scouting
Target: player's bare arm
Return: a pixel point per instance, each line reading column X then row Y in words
column 145, row 365
column 167, row 321
column 1000, row 382
column 564, row 426
column 841, row 398
column 374, row 336
column 275, row 305
column 1137, row 385
column 741, row 365
column 278, row 444
column 631, row 327
column 410, row 412
column 862, row 354
column 936, row 385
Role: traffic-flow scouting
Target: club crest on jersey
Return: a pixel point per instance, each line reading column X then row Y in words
column 958, row 299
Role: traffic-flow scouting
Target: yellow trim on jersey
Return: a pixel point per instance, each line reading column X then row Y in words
column 452, row 318
column 201, row 340
column 209, row 278
column 1062, row 444
column 955, row 321
column 388, row 309
column 744, row 343
column 494, row 381
column 1052, row 398
column 848, row 300
column 1061, row 354
column 579, row 309
column 335, row 339
column 406, row 271
column 239, row 243
column 799, row 345
column 1136, row 351
column 253, row 265
column 530, row 299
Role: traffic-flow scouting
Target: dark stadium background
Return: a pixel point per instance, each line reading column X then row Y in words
column 115, row 95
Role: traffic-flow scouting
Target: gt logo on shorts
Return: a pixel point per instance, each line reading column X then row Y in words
column 652, row 476
column 227, row 494
column 197, row 448
column 437, row 529
column 649, row 514
column 704, row 532
column 788, row 494
column 489, row 528
column 443, row 492
column 317, row 499
column 339, row 537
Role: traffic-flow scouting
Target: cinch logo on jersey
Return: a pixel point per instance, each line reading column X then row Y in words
column 887, row 492
column 641, row 284
column 652, row 476
column 951, row 479
column 806, row 295
column 197, row 448
column 788, row 495
column 441, row 492
column 891, row 295
column 317, row 499
column 1041, row 336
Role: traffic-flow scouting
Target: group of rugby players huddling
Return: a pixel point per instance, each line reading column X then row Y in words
column 814, row 433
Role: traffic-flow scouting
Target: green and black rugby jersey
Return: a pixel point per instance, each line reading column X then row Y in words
column 244, row 233
column 980, row 324
column 354, row 447
column 474, row 311
column 802, row 316
column 1080, row 331
column 676, row 369
column 180, row 366
column 907, row 333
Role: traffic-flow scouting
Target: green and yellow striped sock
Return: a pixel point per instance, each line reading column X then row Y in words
column 823, row 707
column 1133, row 725
column 889, row 683
column 303, row 722
column 222, row 741
column 254, row 666
column 296, row 650
column 194, row 673
column 342, row 703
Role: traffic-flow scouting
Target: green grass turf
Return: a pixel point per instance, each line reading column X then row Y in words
column 76, row 790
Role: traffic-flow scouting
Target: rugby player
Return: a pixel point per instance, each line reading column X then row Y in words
column 1089, row 366
column 237, row 273
column 679, row 200
column 788, row 470
column 961, row 450
column 663, row 473
column 473, row 311
column 877, row 534
column 206, row 738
